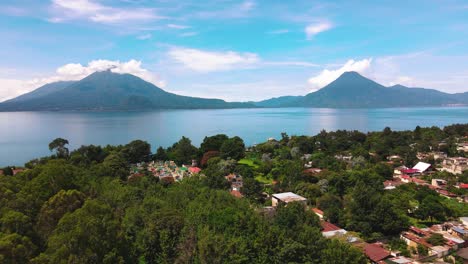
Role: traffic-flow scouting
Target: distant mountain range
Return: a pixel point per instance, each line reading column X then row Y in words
column 106, row 90
column 352, row 90
column 112, row 91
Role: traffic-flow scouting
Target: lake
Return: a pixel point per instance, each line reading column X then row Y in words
column 26, row 135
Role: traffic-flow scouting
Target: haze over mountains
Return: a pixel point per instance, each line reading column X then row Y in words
column 112, row 91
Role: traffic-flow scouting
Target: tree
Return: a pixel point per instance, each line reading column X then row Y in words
column 15, row 248
column 58, row 145
column 233, row 148
column 90, row 234
column 137, row 151
column 160, row 154
column 55, row 208
column 183, row 152
column 431, row 208
column 213, row 143
column 343, row 252
column 115, row 165
column 422, row 250
column 252, row 189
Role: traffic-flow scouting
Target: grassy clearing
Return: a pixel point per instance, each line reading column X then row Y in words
column 248, row 162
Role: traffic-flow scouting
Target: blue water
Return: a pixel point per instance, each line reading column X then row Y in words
column 26, row 135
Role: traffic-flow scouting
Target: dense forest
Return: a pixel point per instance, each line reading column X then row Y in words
column 81, row 206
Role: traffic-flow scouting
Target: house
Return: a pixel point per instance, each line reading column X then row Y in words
column 460, row 232
column 462, row 147
column 376, row 253
column 318, row 212
column 399, row 260
column 464, row 221
column 235, row 180
column 410, row 172
column 446, row 193
column 1, row 172
column 405, row 178
column 398, row 170
column 194, row 170
column 422, row 167
column 286, row 198
column 331, row 230
column 439, row 183
column 17, row 170
column 439, row 251
column 455, row 165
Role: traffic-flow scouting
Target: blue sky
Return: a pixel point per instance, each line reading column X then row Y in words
column 234, row 50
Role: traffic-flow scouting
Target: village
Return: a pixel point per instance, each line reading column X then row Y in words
column 423, row 245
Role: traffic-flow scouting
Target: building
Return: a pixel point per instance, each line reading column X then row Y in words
column 285, row 198
column 330, row 230
column 439, row 183
column 464, row 221
column 318, row 212
column 423, row 167
column 376, row 253
column 455, row 165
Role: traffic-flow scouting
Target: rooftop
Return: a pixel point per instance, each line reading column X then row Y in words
column 288, row 197
column 376, row 252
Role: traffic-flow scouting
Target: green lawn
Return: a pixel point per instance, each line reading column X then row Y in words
column 248, row 162
column 261, row 178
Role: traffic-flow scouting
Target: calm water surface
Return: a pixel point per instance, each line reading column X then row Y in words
column 26, row 135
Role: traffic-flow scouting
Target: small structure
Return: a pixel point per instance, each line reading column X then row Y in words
column 455, row 165
column 17, row 170
column 194, row 170
column 286, row 198
column 376, row 253
column 464, row 221
column 318, row 212
column 331, row 230
column 439, row 183
column 422, row 167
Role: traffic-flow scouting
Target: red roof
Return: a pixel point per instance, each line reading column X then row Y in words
column 375, row 252
column 327, row 226
column 194, row 169
column 464, row 185
column 236, row 194
column 317, row 211
column 446, row 193
column 416, row 180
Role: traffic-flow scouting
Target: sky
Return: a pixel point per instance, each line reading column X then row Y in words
column 234, row 50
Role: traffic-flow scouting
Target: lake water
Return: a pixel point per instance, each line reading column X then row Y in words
column 26, row 135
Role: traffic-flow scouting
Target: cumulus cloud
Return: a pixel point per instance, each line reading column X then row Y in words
column 77, row 71
column 91, row 10
column 327, row 76
column 314, row 29
column 176, row 26
column 209, row 61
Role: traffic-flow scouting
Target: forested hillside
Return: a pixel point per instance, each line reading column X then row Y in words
column 82, row 206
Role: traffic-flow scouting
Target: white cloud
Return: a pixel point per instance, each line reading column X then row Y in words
column 403, row 80
column 144, row 37
column 327, row 76
column 76, row 71
column 88, row 9
column 176, row 26
column 314, row 29
column 209, row 61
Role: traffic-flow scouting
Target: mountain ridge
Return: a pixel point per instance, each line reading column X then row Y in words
column 352, row 90
column 106, row 90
